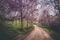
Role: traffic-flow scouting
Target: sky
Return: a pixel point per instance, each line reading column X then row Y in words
column 45, row 5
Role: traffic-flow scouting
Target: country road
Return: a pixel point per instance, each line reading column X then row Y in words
column 38, row 34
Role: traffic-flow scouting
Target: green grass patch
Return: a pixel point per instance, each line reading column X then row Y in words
column 10, row 31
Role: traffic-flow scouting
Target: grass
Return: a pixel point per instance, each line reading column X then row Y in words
column 54, row 34
column 17, row 24
column 9, row 31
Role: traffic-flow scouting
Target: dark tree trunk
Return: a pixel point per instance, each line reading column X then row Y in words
column 21, row 14
column 27, row 23
column 21, row 20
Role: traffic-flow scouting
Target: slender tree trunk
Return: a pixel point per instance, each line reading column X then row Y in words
column 21, row 14
column 32, row 19
column 27, row 23
column 22, row 21
column 16, row 21
column 31, row 23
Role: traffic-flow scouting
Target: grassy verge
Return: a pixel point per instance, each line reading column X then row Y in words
column 54, row 34
column 9, row 31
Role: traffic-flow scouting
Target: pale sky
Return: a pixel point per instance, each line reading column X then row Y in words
column 45, row 5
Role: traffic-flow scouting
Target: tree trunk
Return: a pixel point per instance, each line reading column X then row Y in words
column 21, row 21
column 27, row 24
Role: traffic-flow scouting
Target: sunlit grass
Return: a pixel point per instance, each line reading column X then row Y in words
column 17, row 24
column 10, row 29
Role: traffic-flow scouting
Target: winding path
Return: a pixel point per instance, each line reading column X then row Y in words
column 38, row 34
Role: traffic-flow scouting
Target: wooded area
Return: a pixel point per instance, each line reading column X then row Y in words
column 19, row 16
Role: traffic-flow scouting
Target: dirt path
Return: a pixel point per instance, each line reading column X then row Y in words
column 38, row 34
